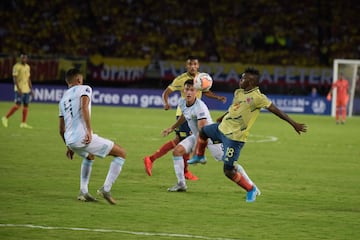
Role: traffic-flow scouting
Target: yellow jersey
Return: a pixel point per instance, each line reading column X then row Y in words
column 178, row 85
column 242, row 113
column 22, row 74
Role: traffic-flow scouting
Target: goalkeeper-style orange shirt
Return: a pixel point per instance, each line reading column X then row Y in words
column 341, row 86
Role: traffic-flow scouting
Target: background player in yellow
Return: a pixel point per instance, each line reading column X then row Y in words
column 22, row 88
column 192, row 69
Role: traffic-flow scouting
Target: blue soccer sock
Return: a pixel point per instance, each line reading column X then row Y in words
column 179, row 169
column 85, row 172
column 113, row 173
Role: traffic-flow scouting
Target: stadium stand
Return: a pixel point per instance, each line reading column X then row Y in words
column 258, row 32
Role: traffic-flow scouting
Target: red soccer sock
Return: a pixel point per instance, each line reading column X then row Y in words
column 12, row 110
column 242, row 182
column 24, row 114
column 201, row 145
column 163, row 150
column 337, row 113
column 343, row 113
column 186, row 157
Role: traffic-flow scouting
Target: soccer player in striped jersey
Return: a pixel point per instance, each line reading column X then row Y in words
column 192, row 67
column 196, row 114
column 235, row 125
column 76, row 131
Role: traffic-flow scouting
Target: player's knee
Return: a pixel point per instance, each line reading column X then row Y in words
column 90, row 157
column 122, row 153
column 118, row 151
column 202, row 134
column 229, row 171
column 178, row 151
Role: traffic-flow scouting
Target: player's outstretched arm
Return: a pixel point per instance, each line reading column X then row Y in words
column 165, row 98
column 299, row 127
column 180, row 121
column 211, row 94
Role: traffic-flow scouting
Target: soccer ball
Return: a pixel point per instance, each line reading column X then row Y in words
column 203, row 81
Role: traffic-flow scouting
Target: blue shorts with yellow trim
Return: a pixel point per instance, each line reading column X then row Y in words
column 22, row 98
column 183, row 130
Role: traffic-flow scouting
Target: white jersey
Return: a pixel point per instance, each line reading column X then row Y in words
column 70, row 110
column 195, row 112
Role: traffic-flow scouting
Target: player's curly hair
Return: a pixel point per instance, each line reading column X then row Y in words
column 253, row 71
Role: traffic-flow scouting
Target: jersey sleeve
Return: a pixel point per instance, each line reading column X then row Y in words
column 86, row 91
column 263, row 102
column 176, row 84
column 60, row 111
column 15, row 70
column 201, row 111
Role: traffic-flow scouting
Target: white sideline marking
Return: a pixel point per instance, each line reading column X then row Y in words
column 261, row 138
column 113, row 231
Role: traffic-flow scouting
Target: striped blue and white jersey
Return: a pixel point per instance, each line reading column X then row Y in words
column 195, row 112
column 70, row 110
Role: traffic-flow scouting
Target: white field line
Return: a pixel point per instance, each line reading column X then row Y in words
column 112, row 231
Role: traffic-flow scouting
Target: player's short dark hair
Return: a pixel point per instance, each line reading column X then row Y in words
column 253, row 71
column 191, row 57
column 189, row 82
column 71, row 73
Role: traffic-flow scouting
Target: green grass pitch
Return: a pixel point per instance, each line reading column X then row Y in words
column 309, row 183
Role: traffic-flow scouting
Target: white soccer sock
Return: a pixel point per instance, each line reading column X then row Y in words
column 85, row 173
column 179, row 169
column 241, row 170
column 113, row 173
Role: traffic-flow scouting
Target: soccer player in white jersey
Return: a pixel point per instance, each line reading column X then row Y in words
column 76, row 131
column 197, row 115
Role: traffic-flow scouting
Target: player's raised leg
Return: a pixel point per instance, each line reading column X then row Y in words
column 113, row 173
column 165, row 148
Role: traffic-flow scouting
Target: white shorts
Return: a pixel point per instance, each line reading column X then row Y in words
column 98, row 146
column 216, row 150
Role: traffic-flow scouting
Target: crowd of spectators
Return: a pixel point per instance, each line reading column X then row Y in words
column 258, row 32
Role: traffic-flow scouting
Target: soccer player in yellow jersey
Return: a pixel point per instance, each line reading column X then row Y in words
column 22, row 87
column 234, row 128
column 192, row 67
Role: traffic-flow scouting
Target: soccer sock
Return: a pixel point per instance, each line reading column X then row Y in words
column 85, row 172
column 242, row 182
column 12, row 110
column 179, row 169
column 24, row 114
column 343, row 113
column 113, row 173
column 186, row 157
column 201, row 145
column 243, row 173
column 163, row 150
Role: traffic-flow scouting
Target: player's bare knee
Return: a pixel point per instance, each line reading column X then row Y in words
column 179, row 151
column 121, row 153
column 202, row 134
column 90, row 157
column 229, row 171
